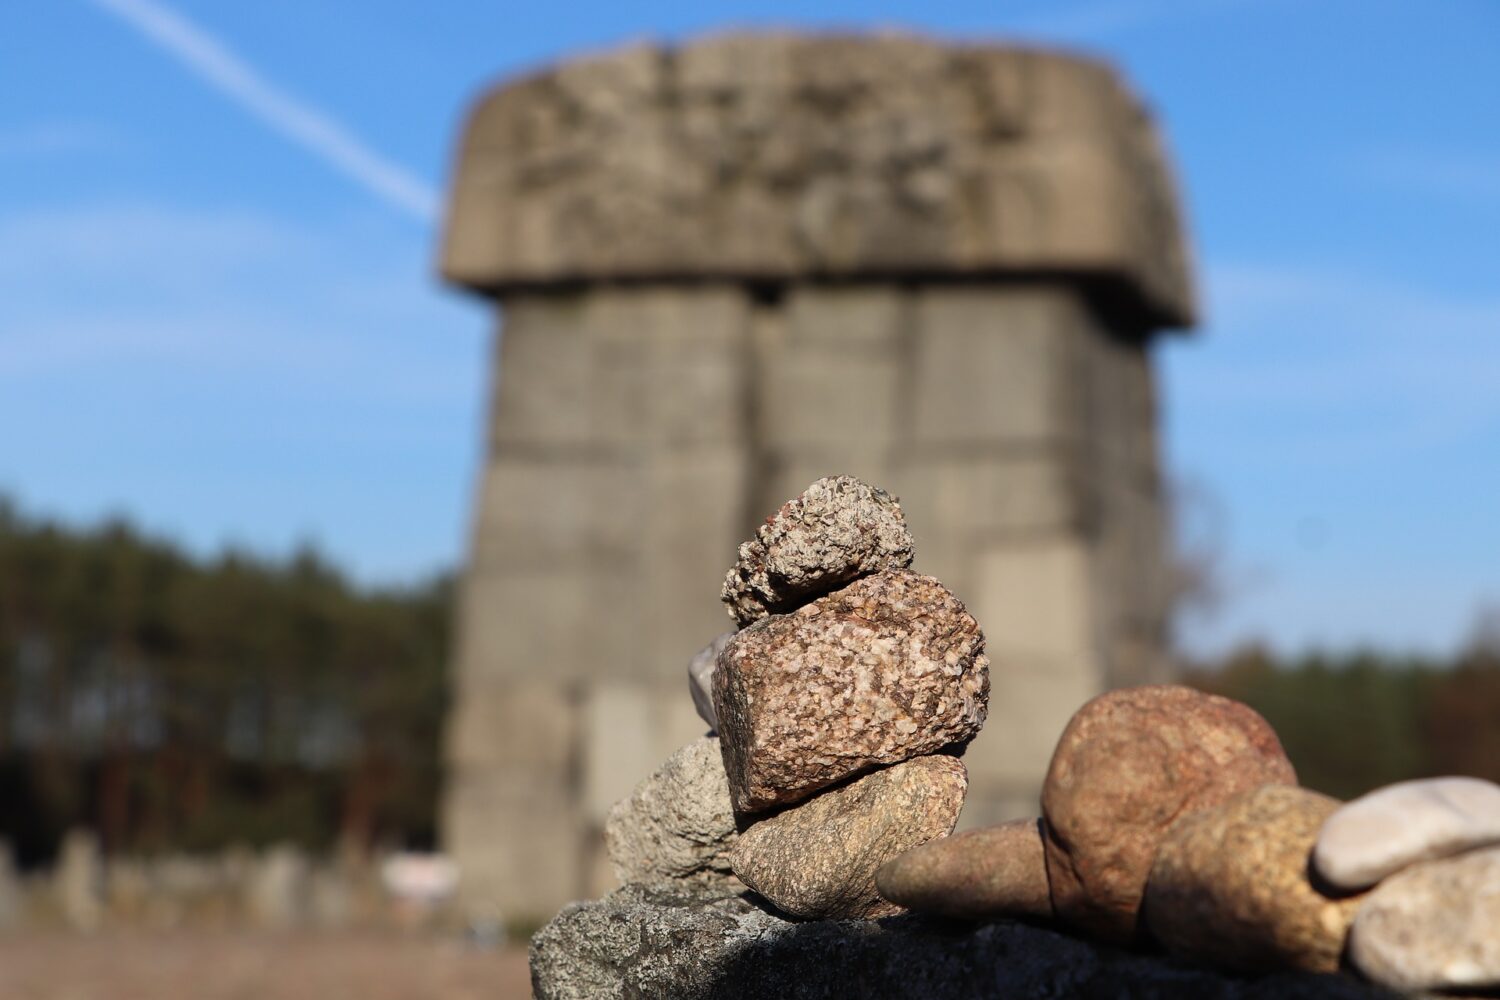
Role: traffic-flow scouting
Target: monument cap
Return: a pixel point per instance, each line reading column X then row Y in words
column 777, row 158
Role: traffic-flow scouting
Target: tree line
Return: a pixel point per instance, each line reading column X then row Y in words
column 1352, row 722
column 173, row 702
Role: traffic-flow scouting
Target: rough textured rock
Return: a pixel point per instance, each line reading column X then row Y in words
column 819, row 859
column 678, row 823
column 996, row 871
column 890, row 667
column 838, row 529
column 701, row 679
column 1231, row 885
column 1128, row 764
column 775, row 156
column 1435, row 925
column 675, row 942
column 1383, row 832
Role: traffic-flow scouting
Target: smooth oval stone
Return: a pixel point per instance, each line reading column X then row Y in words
column 1230, row 886
column 1435, row 925
column 819, row 858
column 997, row 871
column 1385, row 831
column 1129, row 763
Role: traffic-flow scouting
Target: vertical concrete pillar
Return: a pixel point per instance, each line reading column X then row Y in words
column 731, row 268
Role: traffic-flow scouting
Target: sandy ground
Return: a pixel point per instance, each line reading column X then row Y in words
column 185, row 965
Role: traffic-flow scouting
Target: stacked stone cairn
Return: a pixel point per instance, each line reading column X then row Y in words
column 839, row 708
column 1171, row 820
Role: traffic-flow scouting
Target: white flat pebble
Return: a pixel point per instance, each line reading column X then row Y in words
column 1383, row 832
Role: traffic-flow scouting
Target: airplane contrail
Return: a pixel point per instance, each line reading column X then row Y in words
column 215, row 64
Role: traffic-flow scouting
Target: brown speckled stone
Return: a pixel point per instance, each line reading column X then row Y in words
column 996, row 871
column 1128, row 764
column 838, row 529
column 1230, row 885
column 890, row 667
column 819, row 859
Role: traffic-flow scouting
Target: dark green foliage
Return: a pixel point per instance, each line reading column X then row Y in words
column 171, row 702
column 1353, row 722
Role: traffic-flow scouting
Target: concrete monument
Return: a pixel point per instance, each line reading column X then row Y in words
column 731, row 268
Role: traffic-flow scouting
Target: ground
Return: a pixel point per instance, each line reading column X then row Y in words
column 219, row 966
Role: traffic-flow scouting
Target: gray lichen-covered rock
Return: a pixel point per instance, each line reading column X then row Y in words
column 838, row 529
column 889, row 668
column 679, row 942
column 1435, row 925
column 677, row 823
column 1231, row 885
column 819, row 859
column 995, row 871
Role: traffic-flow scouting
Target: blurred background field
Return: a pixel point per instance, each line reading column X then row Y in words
column 180, row 705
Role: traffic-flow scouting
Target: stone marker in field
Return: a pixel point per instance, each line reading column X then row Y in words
column 729, row 268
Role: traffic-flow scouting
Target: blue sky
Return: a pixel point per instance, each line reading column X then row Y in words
column 218, row 312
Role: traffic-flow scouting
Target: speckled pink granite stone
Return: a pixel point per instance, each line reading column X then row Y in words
column 888, row 668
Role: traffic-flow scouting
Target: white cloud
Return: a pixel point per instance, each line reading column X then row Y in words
column 226, row 293
column 215, row 64
column 1451, row 175
column 56, row 138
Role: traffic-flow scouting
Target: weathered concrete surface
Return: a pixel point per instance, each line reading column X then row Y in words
column 668, row 943
column 777, row 156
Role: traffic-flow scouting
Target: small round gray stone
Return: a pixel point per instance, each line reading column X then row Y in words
column 701, row 679
column 1435, row 925
column 1383, row 832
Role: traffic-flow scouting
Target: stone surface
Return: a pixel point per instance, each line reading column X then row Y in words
column 678, row 823
column 1130, row 763
column 996, row 871
column 278, row 895
column 78, row 880
column 671, row 369
column 1381, row 833
column 628, row 730
column 1231, row 886
column 836, row 530
column 701, row 679
column 776, row 156
column 819, row 858
column 677, row 942
column 1435, row 925
column 890, row 667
